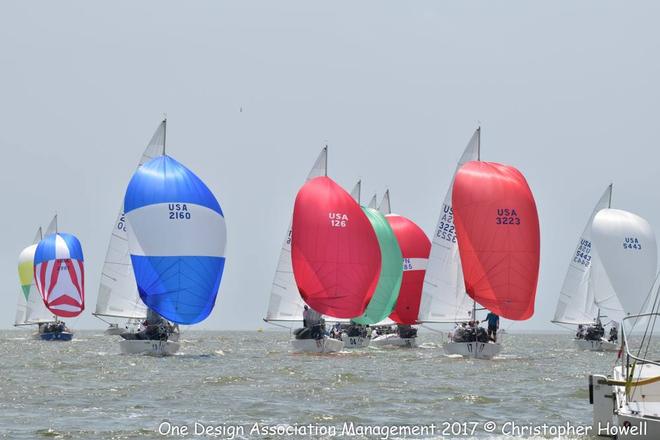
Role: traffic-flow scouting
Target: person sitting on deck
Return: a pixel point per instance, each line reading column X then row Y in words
column 614, row 334
column 493, row 325
column 580, row 332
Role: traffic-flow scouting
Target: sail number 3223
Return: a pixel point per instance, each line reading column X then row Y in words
column 507, row 216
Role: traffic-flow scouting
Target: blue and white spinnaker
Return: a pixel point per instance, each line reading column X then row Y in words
column 176, row 237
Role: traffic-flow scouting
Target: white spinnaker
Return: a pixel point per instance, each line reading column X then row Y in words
column 118, row 295
column 285, row 303
column 627, row 248
column 443, row 295
column 576, row 303
column 33, row 310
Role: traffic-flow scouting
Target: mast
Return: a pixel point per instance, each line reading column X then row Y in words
column 474, row 301
column 164, row 133
column 479, row 143
column 609, row 203
column 326, row 159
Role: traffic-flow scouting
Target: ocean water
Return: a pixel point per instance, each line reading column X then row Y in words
column 230, row 382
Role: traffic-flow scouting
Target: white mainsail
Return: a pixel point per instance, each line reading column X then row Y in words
column 52, row 226
column 576, row 303
column 285, row 303
column 443, row 296
column 357, row 190
column 627, row 248
column 373, row 204
column 30, row 310
column 118, row 295
column 385, row 207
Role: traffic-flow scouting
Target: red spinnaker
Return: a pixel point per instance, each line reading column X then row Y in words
column 497, row 227
column 415, row 248
column 334, row 250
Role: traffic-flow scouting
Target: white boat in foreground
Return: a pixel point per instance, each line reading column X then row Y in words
column 394, row 340
column 602, row 345
column 149, row 347
column 626, row 405
column 479, row 350
column 325, row 345
column 355, row 341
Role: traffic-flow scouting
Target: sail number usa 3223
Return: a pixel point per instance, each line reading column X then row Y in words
column 507, row 216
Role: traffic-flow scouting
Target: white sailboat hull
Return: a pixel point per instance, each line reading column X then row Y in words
column 355, row 341
column 149, row 347
column 325, row 345
column 394, row 340
column 636, row 419
column 479, row 350
column 601, row 345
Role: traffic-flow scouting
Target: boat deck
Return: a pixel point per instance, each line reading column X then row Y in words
column 644, row 400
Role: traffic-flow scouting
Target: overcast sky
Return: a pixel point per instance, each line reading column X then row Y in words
column 565, row 91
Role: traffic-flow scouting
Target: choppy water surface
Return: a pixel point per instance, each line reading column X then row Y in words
column 87, row 390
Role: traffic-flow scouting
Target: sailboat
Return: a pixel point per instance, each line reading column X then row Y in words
column 627, row 402
column 118, row 296
column 285, row 304
column 30, row 308
column 59, row 276
column 577, row 302
column 490, row 221
column 415, row 248
column 176, row 239
column 335, row 257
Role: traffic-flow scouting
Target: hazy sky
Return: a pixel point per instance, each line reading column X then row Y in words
column 566, row 91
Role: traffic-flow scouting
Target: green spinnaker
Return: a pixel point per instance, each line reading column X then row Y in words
column 387, row 290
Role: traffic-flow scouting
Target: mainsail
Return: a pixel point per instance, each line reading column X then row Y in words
column 30, row 307
column 176, row 238
column 626, row 247
column 497, row 229
column 118, row 294
column 576, row 303
column 415, row 248
column 285, row 302
column 389, row 282
column 59, row 274
column 443, row 295
column 335, row 252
